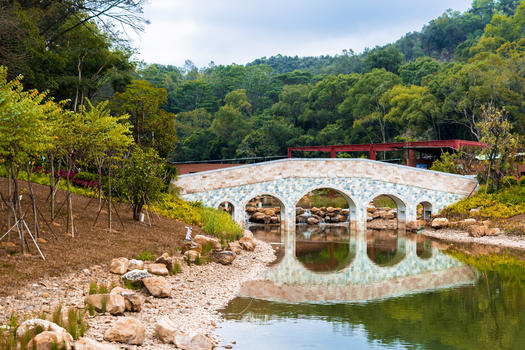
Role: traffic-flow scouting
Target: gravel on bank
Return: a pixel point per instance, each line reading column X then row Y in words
column 451, row 235
column 198, row 293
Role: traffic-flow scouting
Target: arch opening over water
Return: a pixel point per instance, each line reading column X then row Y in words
column 424, row 210
column 385, row 212
column 325, row 206
column 264, row 209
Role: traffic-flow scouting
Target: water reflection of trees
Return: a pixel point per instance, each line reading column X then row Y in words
column 488, row 315
column 382, row 247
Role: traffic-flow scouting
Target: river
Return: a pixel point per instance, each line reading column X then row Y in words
column 332, row 288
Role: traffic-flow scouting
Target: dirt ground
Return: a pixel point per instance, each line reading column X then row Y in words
column 91, row 245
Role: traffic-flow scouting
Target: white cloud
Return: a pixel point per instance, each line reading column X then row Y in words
column 239, row 31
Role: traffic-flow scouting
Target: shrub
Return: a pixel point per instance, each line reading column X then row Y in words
column 176, row 268
column 146, row 256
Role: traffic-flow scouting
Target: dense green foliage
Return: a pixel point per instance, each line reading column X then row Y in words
column 431, row 84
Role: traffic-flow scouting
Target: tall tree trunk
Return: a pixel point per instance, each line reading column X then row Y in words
column 52, row 184
column 99, row 165
column 18, row 209
column 29, row 169
column 109, row 198
column 70, row 227
column 9, row 189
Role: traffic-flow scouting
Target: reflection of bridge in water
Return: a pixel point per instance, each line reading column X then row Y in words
column 360, row 279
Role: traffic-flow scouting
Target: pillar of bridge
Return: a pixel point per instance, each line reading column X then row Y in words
column 411, row 211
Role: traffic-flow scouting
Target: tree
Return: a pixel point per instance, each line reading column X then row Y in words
column 501, row 144
column 389, row 58
column 25, row 120
column 140, row 178
column 152, row 126
column 412, row 73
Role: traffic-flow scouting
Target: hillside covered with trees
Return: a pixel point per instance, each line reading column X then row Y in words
column 430, row 84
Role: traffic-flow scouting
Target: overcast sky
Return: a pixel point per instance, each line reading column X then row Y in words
column 239, row 31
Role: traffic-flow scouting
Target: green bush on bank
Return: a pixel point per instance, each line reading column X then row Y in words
column 212, row 221
column 506, row 203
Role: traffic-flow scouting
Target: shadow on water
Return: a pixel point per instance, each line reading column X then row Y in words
column 334, row 289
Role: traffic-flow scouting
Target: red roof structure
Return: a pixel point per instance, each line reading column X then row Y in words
column 435, row 148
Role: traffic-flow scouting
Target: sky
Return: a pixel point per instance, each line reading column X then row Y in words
column 239, row 31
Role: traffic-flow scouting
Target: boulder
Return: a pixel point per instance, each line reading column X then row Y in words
column 167, row 260
column 166, row 330
column 30, row 327
column 314, row 210
column 495, row 231
column 259, row 217
column 469, row 221
column 330, row 209
column 191, row 255
column 49, row 340
column 90, row 344
column 371, row 209
column 235, row 247
column 203, row 240
column 339, row 218
column 224, row 257
column 390, row 214
column 126, row 330
column 159, row 287
column 477, row 230
column 345, row 211
column 157, row 269
column 132, row 300
column 302, row 219
column 247, row 241
column 415, row 225
column 277, row 210
column 275, row 219
column 261, row 210
column 114, row 303
column 312, row 221
column 119, row 266
column 135, row 264
column 251, row 210
column 299, row 211
column 192, row 341
column 191, row 245
column 438, row 223
column 136, row 276
column 269, row 212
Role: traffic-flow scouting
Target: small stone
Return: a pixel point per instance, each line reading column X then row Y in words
column 224, row 257
column 158, row 286
column 126, row 330
column 158, row 269
column 438, row 223
column 135, row 264
column 119, row 266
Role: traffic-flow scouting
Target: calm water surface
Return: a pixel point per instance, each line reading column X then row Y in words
column 333, row 289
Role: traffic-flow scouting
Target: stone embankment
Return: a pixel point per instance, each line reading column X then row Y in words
column 171, row 303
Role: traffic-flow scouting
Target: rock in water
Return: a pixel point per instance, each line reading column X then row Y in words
column 49, row 340
column 158, row 287
column 90, row 344
column 224, row 257
column 114, row 303
column 439, row 223
column 126, row 330
column 119, row 266
column 135, row 264
column 158, row 269
column 166, row 330
column 192, row 341
column 136, row 276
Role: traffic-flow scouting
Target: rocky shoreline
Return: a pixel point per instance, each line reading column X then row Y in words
column 461, row 236
column 198, row 292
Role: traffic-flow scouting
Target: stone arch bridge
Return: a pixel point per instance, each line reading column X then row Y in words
column 358, row 180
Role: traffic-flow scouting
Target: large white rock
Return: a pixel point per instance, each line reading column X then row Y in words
column 158, row 269
column 30, row 326
column 119, row 266
column 136, row 276
column 135, row 264
column 126, row 330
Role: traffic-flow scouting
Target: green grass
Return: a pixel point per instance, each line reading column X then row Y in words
column 511, row 268
column 176, row 268
column 146, row 256
column 506, row 203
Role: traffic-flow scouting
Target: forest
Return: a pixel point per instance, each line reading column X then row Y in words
column 430, row 84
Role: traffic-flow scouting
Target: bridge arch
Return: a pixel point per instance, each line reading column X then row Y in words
column 398, row 199
column 352, row 207
column 283, row 206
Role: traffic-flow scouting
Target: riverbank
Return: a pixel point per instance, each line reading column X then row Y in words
column 460, row 236
column 198, row 292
